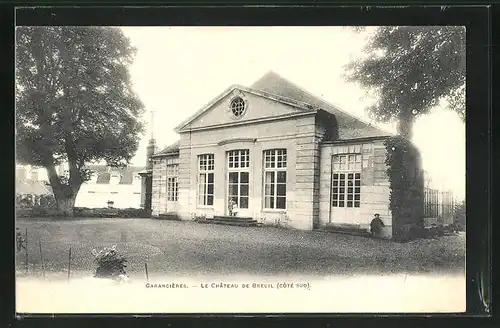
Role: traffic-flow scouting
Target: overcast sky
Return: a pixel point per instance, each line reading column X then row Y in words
column 177, row 70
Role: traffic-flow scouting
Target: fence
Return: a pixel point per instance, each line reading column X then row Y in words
column 438, row 206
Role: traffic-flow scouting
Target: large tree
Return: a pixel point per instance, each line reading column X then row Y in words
column 409, row 70
column 74, row 103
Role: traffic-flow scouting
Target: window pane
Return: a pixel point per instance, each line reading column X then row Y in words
column 341, row 196
column 210, row 178
column 349, row 190
column 358, row 175
column 233, row 190
column 342, row 159
column 243, row 202
column 244, row 177
column 342, row 183
column 210, row 200
column 335, row 190
column 357, row 182
column 269, row 189
column 269, row 202
column 335, row 176
column 356, row 197
column 203, row 179
column 334, row 203
column 281, row 189
column 349, row 197
column 281, row 202
column 269, row 177
column 351, row 158
column 357, row 190
column 350, row 176
column 281, row 177
column 356, row 204
column 244, row 190
column 210, row 189
column 349, row 203
column 341, row 203
column 335, row 183
column 233, row 177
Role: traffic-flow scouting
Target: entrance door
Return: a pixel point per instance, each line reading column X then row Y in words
column 346, row 189
column 238, row 178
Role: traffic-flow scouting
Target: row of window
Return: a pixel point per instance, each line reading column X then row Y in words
column 238, row 164
column 346, row 179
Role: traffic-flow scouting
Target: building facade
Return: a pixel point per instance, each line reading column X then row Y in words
column 280, row 154
column 122, row 186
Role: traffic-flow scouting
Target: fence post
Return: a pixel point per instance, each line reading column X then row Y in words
column 41, row 257
column 26, row 249
column 69, row 263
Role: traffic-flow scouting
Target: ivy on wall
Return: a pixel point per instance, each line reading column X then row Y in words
column 406, row 200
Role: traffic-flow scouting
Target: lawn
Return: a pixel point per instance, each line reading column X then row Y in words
column 188, row 248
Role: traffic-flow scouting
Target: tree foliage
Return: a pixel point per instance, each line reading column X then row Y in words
column 74, row 102
column 409, row 70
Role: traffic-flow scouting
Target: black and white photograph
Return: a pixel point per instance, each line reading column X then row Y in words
column 240, row 169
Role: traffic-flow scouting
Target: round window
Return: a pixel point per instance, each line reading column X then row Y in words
column 238, row 106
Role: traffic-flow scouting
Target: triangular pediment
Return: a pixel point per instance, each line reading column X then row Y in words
column 239, row 104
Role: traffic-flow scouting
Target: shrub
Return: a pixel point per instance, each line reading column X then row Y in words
column 109, row 263
column 134, row 213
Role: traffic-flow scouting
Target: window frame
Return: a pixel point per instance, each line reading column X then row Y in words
column 207, row 169
column 172, row 182
column 280, row 165
column 351, row 172
column 239, row 169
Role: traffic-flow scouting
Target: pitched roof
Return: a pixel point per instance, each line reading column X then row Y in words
column 104, row 173
column 169, row 150
column 350, row 126
column 277, row 88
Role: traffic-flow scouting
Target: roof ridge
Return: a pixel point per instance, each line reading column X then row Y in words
column 324, row 100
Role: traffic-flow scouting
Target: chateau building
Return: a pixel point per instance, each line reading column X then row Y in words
column 278, row 153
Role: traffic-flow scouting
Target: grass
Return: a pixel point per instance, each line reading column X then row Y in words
column 188, row 248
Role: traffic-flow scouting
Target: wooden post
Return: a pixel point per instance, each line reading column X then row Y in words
column 41, row 257
column 146, row 267
column 69, row 263
column 26, row 249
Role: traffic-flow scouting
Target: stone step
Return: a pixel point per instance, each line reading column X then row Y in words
column 252, row 223
column 168, row 216
column 345, row 230
column 232, row 218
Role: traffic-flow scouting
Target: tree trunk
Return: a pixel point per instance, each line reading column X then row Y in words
column 405, row 126
column 65, row 205
column 65, row 194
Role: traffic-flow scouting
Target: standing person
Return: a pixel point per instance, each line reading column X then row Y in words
column 376, row 225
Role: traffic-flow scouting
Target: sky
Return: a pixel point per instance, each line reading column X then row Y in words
column 177, row 70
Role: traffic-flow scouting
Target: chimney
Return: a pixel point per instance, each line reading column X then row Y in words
column 150, row 150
